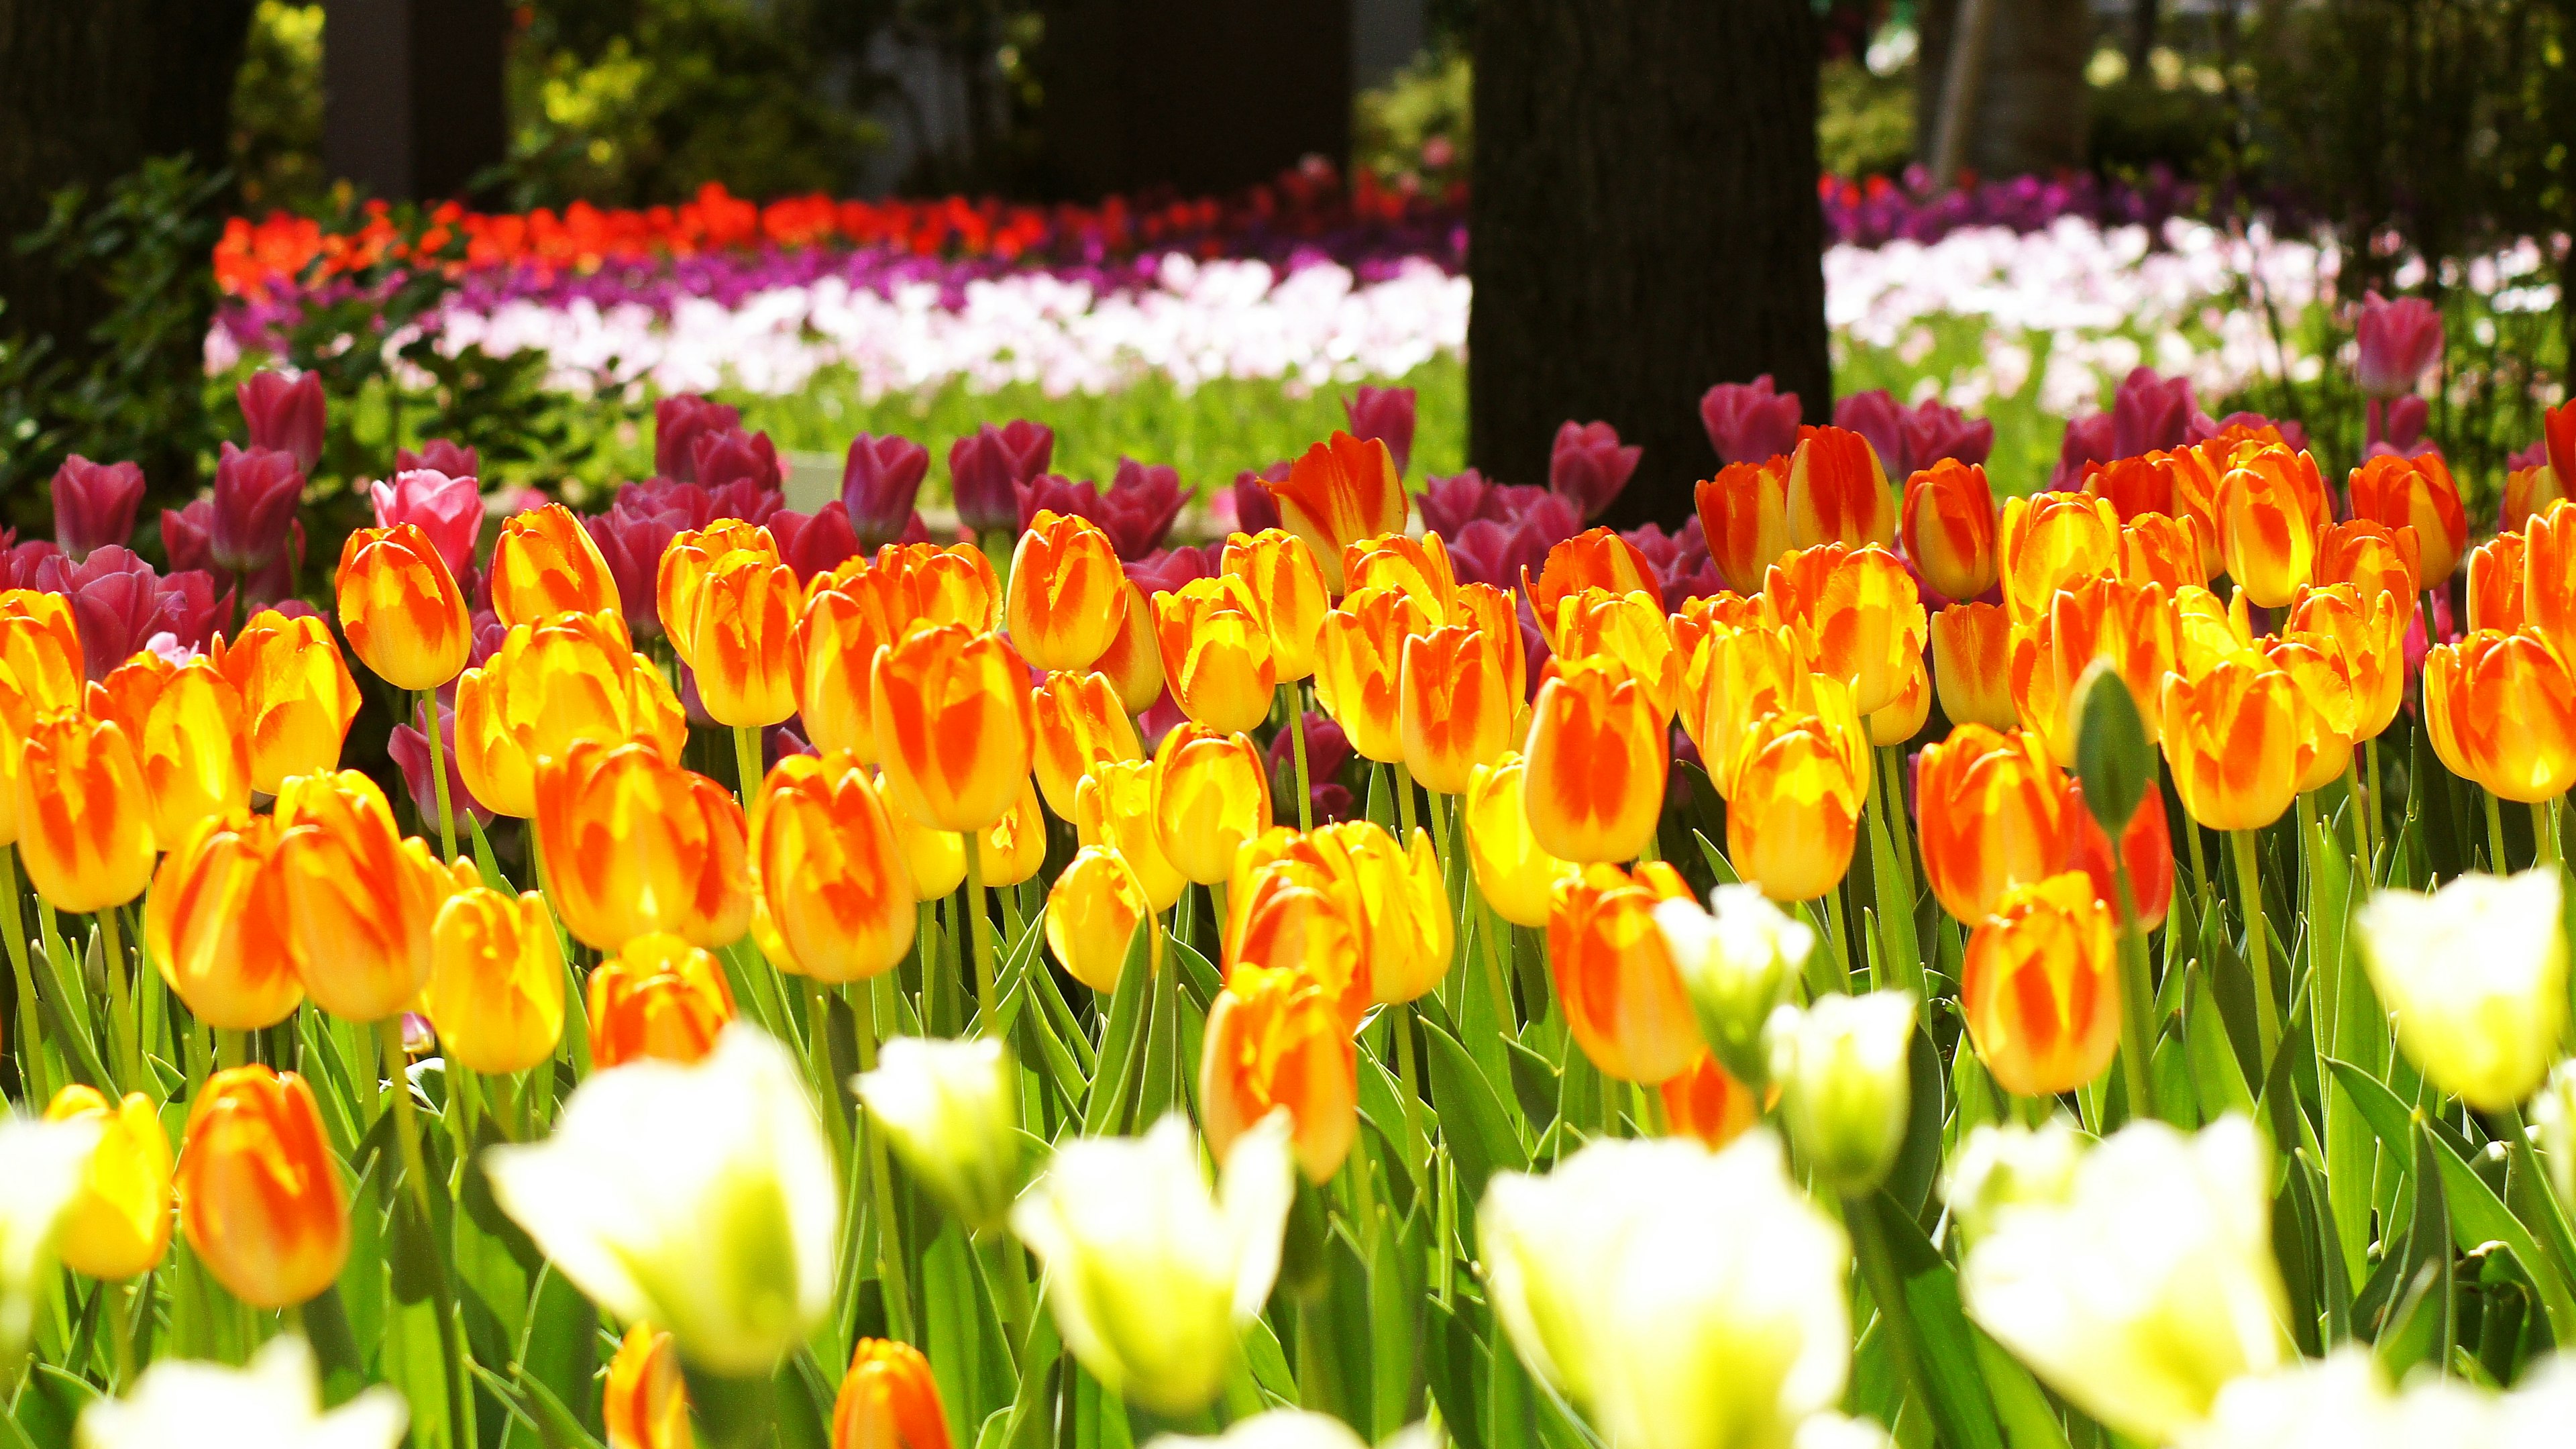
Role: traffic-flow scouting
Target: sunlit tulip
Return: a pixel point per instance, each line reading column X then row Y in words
column 2372, row 557
column 1972, row 664
column 2329, row 714
column 191, row 748
column 1751, row 672
column 1211, row 794
column 85, row 827
column 1597, row 759
column 1744, row 514
column 360, row 898
column 1949, row 528
column 888, row 1400
column 1455, row 707
column 1286, row 583
column 837, row 638
column 698, row 1197
column 1403, row 901
column 2501, row 709
column 1593, row 559
column 2370, row 639
column 1989, row 807
column 1859, row 614
column 1416, row 567
column 496, row 983
column 259, row 1189
column 2039, row 989
column 2527, row 491
column 1275, row 1042
column 1738, row 960
column 2494, row 588
column 1517, row 877
column 645, row 1403
column 1795, row 813
column 2146, row 847
column 1615, row 975
column 1068, row 596
column 1838, row 493
column 830, row 870
column 1628, row 627
column 2549, row 574
column 1303, row 916
column 1093, row 910
column 1151, row 1278
column 1901, row 719
column 1134, row 660
column 1012, row 849
column 953, row 726
column 1496, row 613
column 2129, row 626
column 2052, row 541
column 544, row 562
column 401, row 609
column 1077, row 722
column 217, row 924
column 2397, row 492
column 743, row 640
column 1338, row 492
column 630, row 844
column 1115, row 806
column 2476, row 976
column 297, row 696
column 2146, row 1282
column 2271, row 505
column 568, row 678
column 40, row 651
column 2158, row 549
column 1215, row 656
column 2235, row 742
column 277, row 1400
column 1359, row 669
column 118, row 1224
column 1840, row 1066
column 950, row 1110
column 944, row 584
column 2151, row 483
column 1706, row 1103
column 2207, row 631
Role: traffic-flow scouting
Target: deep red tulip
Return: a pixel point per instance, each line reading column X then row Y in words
column 879, row 484
column 1748, row 422
column 678, row 423
column 285, row 415
column 94, row 504
column 1386, row 414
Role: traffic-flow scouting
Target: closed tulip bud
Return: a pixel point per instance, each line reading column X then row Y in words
column 1339, row 492
column 259, row 1190
column 1972, row 664
column 446, row 507
column 2147, row 483
column 1288, row 594
column 217, row 924
column 1276, row 1043
column 2476, row 976
column 190, row 745
column 830, row 870
column 1837, row 492
column 2130, row 626
column 1134, row 661
column 1738, row 961
column 2501, row 710
column 496, row 984
column 657, row 997
column 2328, row 713
column 2145, row 1281
column 1615, row 974
column 1418, row 568
column 2398, row 492
column 1093, row 910
column 1303, row 914
column 1799, row 782
column 2039, row 989
column 1211, row 794
column 2168, row 551
column 2146, row 847
column 645, row 1404
column 1744, row 514
column 888, row 1400
column 118, row 1224
column 1593, row 559
column 1859, row 614
column 743, row 640
column 2236, row 743
column 544, row 563
column 1078, row 723
column 2549, row 574
column 935, row 585
column 569, row 678
column 2050, row 541
column 1403, row 901
column 1068, row 596
column 698, row 1197
column 1596, row 765
column 361, row 899
column 953, row 726
column 1115, row 806
column 1454, row 708
column 296, row 694
column 1840, row 1065
column 951, row 1112
column 1949, row 528
column 1901, row 719
column 1752, row 672
column 845, row 622
column 284, row 413
column 630, row 844
column 2495, row 584
column 1991, row 807
column 1149, row 1276
column 1215, row 655
column 401, row 608
column 1012, row 848
column 1707, row 1103
column 1630, row 628
column 2271, row 505
column 85, row 825
column 1518, row 877
column 94, row 504
column 1359, row 669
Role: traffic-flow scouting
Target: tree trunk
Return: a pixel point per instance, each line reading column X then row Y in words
column 1644, row 225
column 2030, row 115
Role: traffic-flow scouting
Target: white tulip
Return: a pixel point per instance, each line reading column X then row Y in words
column 2553, row 1123
column 1274, row 1429
column 951, row 1111
column 1738, row 958
column 1151, row 1279
column 700, row 1198
column 1841, row 1067
column 2146, row 1287
column 2476, row 975
column 42, row 1167
column 275, row 1403
column 2343, row 1401
column 1998, row 1167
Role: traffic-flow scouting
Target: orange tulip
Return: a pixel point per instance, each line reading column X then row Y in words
column 843, row 625
column 1744, row 513
column 1211, row 794
column 1134, row 662
column 658, row 997
column 40, row 650
column 1455, row 707
column 1215, row 655
column 1297, row 916
column 1752, row 672
column 2147, row 847
column 2529, row 490
column 1340, row 491
column 2501, row 709
column 2157, row 548
column 361, row 898
column 1011, row 849
column 830, row 870
column 2369, row 637
column 888, row 1400
column 1093, row 910
column 1359, row 669
column 2130, row 625
column 129, row 691
column 191, row 748
column 2330, row 715
column 1404, row 904
column 2161, row 483
column 496, row 981
column 118, row 1223
column 1837, row 492
column 933, row 860
column 1615, row 977
column 1114, row 807
column 259, row 1194
column 401, row 608
column 953, row 726
column 2206, row 631
column 1418, row 567
column 1597, row 761
column 1901, row 719
column 1989, row 805
column 1068, row 595
column 2397, row 492
column 1274, row 1042
column 630, row 844
column 944, row 584
column 1288, row 595
column 743, row 640
column 1628, row 627
column 1704, row 1102
column 1497, row 612
column 1593, row 559
column 1518, row 878
column 1949, row 528
column 2271, row 505
column 85, row 821
column 2549, row 574
column 297, row 696
column 684, row 568
column 543, row 563
column 2053, row 541
column 2235, row 741
column 645, row 1404
column 1076, row 722
column 217, row 923
column 565, row 679
column 1799, row 784
column 2376, row 558
column 1858, row 611
column 2039, row 990
column 1972, row 664
column 1694, row 625
column 2496, row 572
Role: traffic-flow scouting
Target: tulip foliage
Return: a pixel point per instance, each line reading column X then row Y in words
column 2087, row 969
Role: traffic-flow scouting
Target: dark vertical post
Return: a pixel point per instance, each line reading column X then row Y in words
column 412, row 94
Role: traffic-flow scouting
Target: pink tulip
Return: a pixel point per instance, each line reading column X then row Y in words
column 1587, row 466
column 285, row 414
column 733, row 458
column 1748, row 422
column 678, row 423
column 1449, row 504
column 256, row 494
column 879, row 485
column 1875, row 415
column 448, row 509
column 814, row 543
column 1934, row 430
column 1246, row 506
column 438, row 455
column 94, row 504
column 2398, row 341
column 1386, row 414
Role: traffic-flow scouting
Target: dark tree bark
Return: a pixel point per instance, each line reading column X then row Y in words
column 412, row 104
column 1645, row 225
column 2030, row 114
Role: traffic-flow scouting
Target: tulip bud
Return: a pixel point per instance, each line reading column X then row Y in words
column 1744, row 515
column 1517, row 877
column 888, row 1400
column 1630, row 628
column 1338, row 492
column 645, row 1404
column 2234, row 742
column 118, row 1224
column 829, row 869
column 1093, row 910
column 218, row 924
column 1593, row 559
column 1286, row 586
column 1215, row 655
column 1134, row 660
column 880, row 479
column 2271, row 505
column 1738, row 961
column 2476, row 976
column 2501, row 710
column 1859, row 613
column 1211, row 794
column 2039, row 988
column 1384, row 415
column 285, row 413
column 2395, row 344
column 1841, row 1068
column 2398, row 492
column 845, row 622
column 1800, row 780
column 401, row 608
column 1949, row 529
column 1597, row 761
column 252, row 524
column 496, row 985
column 1359, row 668
column 94, row 504
column 631, row 845
column 950, row 1110
column 1616, row 976
column 446, row 507
column 953, row 726
column 985, row 467
column 1899, row 720
column 1115, row 806
column 1455, row 706
column 1067, row 596
column 1078, row 723
column 658, row 997
column 2050, row 541
column 296, row 693
column 1838, row 492
column 742, row 639
column 545, row 563
column 1417, row 568
column 361, row 899
column 85, row 829
column 276, row 1400
column 1275, row 1042
column 259, row 1191
column 1990, row 810
column 193, row 750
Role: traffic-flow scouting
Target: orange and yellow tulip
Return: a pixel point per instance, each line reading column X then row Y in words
column 743, row 641
column 1134, row 661
column 1211, row 794
column 1800, row 780
column 1455, row 707
column 2329, row 714
column 630, row 844
column 1751, row 672
column 217, row 924
column 1705, row 1103
column 2169, row 550
column 1989, row 803
column 1093, row 910
column 2397, row 492
column 2206, row 631
column 85, row 823
column 2529, row 490
column 1288, row 594
column 687, row 562
column 2368, row 633
column 296, row 694
column 1417, row 567
column 659, row 997
column 496, row 980
column 1215, row 656
column 939, row 584
column 40, row 651
column 1901, row 719
column 2164, row 483
column 2501, row 709
column 1838, row 493
column 192, row 749
column 1949, row 528
column 565, row 679
column 361, row 899
column 118, row 1223
column 830, row 870
column 2130, row 625
column 259, row 1190
column 2372, row 557
column 1859, row 614
column 1404, row 905
column 1114, row 807
column 1297, row 915
column 1275, row 1043
column 2052, row 541
column 2495, row 584
column 1615, row 976
column 2235, row 741
column 2146, row 847
column 1972, row 650
column 1496, row 611
column 1597, row 759
column 1744, row 514
column 1077, row 722
column 1359, row 669
column 888, row 1400
column 401, row 608
column 953, row 726
column 544, row 563
column 843, row 625
column 2039, row 990
column 1518, row 878
column 1628, row 627
column 1011, row 849
column 1593, row 559
column 2271, row 506
column 1068, row 595
column 2549, row 574
column 1338, row 492
column 645, row 1403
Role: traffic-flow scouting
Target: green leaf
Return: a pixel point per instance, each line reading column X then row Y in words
column 1119, row 1041
column 2113, row 760
column 1480, row 1137
column 1961, row 1405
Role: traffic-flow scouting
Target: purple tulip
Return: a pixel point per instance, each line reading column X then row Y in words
column 1161, row 573
column 409, row 746
column 986, row 469
column 2401, row 431
column 1246, row 506
column 814, row 543
column 778, row 742
column 285, row 414
column 1327, row 749
column 1386, row 414
column 256, row 494
column 879, row 485
column 1451, row 503
column 192, row 612
column 1490, row 551
column 94, row 504
column 733, row 457
column 448, row 509
column 1934, row 431
column 1875, row 415
column 1748, row 422
column 438, row 455
column 1683, row 568
column 678, row 422
column 1137, row 509
column 631, row 542
column 115, row 599
column 19, row 561
column 187, row 535
column 2398, row 343
column 2150, row 414
column 1588, row 466
column 2089, row 440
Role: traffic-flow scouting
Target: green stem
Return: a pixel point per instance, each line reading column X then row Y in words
column 2258, row 951
column 1900, row 827
column 746, row 761
column 898, row 1303
column 988, row 1010
column 2497, row 860
column 2544, row 830
column 1404, row 799
column 121, row 1004
column 1009, row 1274
column 14, row 923
column 2370, row 752
column 1887, row 1290
column 1409, row 1074
column 1834, row 938
column 416, row 1173
column 438, row 774
column 818, row 1052
column 1489, row 929
column 1650, row 1110
column 2191, row 842
column 2137, row 1001
column 1296, row 692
